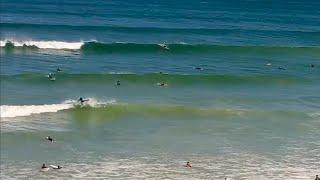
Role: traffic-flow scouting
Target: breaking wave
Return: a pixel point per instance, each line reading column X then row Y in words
column 126, row 47
column 9, row 111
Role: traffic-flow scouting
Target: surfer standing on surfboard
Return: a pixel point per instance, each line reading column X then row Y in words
column 51, row 77
column 81, row 100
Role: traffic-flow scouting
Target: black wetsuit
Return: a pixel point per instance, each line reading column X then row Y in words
column 49, row 139
column 81, row 100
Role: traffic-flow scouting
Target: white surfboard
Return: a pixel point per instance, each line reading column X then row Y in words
column 54, row 167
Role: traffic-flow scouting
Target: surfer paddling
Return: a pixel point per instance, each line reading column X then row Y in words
column 55, row 167
column 198, row 68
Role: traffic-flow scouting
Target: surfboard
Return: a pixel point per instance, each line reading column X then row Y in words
column 54, row 166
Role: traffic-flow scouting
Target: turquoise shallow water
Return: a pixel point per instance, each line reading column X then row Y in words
column 241, row 99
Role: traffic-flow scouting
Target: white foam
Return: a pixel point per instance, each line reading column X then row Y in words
column 27, row 110
column 9, row 111
column 315, row 115
column 45, row 44
column 91, row 103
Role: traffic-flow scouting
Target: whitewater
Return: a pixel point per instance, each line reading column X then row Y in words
column 11, row 111
column 44, row 44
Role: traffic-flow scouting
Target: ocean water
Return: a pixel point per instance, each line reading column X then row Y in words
column 241, row 97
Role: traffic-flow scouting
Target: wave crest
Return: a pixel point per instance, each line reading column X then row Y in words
column 10, row 111
column 60, row 45
column 126, row 47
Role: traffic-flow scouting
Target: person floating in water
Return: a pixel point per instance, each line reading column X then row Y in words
column 44, row 167
column 118, row 83
column 281, row 68
column 188, row 165
column 58, row 69
column 312, row 66
column 81, row 100
column 49, row 138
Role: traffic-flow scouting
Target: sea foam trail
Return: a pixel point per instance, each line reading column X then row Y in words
column 27, row 110
column 9, row 111
column 44, row 44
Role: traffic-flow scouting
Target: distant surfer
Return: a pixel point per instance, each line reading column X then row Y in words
column 44, row 167
column 281, row 68
column 81, row 100
column 312, row 66
column 51, row 76
column 58, row 69
column 161, row 72
column 162, row 84
column 49, row 138
column 118, row 83
column 164, row 46
column 188, row 165
column 198, row 68
column 317, row 178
